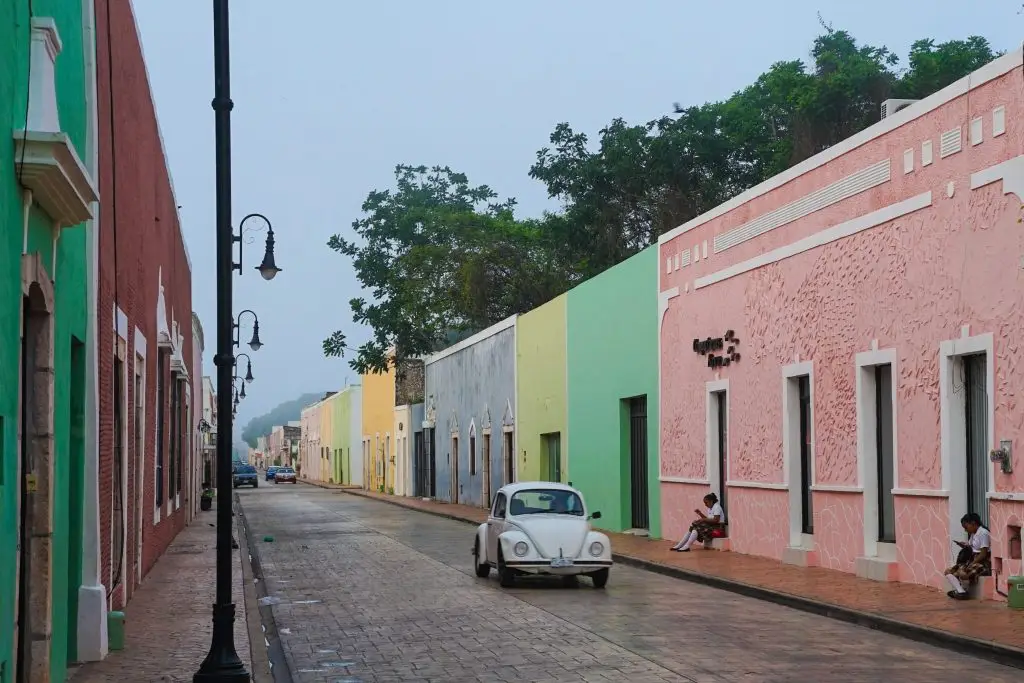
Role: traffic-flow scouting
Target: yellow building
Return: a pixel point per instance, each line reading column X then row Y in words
column 378, row 421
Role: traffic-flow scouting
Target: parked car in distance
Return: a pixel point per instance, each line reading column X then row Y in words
column 271, row 470
column 541, row 528
column 245, row 475
column 284, row 474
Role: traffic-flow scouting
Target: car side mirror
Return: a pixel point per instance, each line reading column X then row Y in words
column 596, row 515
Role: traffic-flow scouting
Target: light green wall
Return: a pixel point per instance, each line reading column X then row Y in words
column 540, row 387
column 613, row 356
column 70, row 286
column 340, row 406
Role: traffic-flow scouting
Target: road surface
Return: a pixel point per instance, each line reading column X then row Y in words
column 368, row 592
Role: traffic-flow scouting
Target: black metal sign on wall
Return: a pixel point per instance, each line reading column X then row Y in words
column 721, row 351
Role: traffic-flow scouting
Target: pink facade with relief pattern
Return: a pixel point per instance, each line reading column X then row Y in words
column 900, row 247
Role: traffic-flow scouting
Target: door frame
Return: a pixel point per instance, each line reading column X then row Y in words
column 867, row 445
column 953, row 420
column 791, row 449
column 34, row 601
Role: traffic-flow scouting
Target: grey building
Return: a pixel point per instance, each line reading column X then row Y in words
column 469, row 418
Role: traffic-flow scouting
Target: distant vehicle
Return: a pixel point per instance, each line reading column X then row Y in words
column 271, row 470
column 245, row 475
column 284, row 474
column 541, row 528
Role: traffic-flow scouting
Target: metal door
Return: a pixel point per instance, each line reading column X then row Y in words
column 976, row 419
column 418, row 445
column 806, row 465
column 640, row 514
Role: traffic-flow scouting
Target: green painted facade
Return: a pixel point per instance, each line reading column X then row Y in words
column 541, row 420
column 612, row 342
column 67, row 268
column 340, row 406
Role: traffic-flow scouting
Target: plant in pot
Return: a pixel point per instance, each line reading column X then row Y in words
column 206, row 500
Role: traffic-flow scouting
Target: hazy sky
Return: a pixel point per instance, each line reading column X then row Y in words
column 331, row 94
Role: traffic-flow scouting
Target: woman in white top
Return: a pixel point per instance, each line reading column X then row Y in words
column 974, row 559
column 709, row 524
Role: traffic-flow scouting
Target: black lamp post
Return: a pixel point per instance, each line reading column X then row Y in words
column 268, row 269
column 248, row 366
column 222, row 664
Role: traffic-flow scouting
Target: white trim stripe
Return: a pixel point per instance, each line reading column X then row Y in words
column 989, row 72
column 874, row 175
column 836, row 232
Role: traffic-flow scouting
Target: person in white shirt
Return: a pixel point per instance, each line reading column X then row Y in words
column 974, row 559
column 709, row 524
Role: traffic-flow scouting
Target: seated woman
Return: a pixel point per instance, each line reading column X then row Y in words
column 709, row 524
column 974, row 559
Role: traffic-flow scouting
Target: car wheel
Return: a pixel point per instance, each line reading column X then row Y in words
column 482, row 570
column 600, row 578
column 506, row 575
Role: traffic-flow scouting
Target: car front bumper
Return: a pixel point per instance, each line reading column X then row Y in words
column 543, row 567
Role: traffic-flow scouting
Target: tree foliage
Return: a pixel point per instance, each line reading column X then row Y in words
column 439, row 256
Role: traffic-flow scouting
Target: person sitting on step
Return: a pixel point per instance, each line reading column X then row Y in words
column 710, row 524
column 974, row 558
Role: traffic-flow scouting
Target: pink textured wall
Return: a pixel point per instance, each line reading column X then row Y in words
column 910, row 284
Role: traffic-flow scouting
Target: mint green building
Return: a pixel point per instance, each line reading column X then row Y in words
column 612, row 370
column 47, row 195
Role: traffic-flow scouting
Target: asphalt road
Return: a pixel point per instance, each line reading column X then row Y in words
column 370, row 592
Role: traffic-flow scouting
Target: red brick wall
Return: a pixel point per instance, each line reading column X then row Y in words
column 140, row 240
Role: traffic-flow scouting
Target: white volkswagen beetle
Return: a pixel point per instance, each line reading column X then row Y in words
column 541, row 528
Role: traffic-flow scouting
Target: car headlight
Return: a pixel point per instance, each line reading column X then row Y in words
column 596, row 548
column 521, row 548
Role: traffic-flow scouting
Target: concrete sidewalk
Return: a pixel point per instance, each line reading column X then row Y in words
column 168, row 623
column 982, row 628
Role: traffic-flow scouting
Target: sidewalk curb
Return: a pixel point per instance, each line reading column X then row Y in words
column 991, row 651
column 277, row 663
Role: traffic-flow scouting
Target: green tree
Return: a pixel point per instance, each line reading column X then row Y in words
column 438, row 255
column 440, row 258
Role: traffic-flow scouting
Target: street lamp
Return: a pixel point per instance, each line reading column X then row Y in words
column 255, row 344
column 248, row 366
column 222, row 664
column 268, row 269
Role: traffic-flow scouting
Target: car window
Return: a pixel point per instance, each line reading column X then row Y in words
column 246, row 469
column 499, row 506
column 546, row 501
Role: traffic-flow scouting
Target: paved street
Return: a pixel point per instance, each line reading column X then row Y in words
column 370, row 592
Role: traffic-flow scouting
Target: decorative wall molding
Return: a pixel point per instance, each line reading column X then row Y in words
column 874, row 175
column 818, row 239
column 663, row 299
column 700, row 481
column 1011, row 172
column 770, row 485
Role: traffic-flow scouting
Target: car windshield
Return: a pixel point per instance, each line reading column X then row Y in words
column 246, row 469
column 285, row 470
column 273, row 468
column 546, row 501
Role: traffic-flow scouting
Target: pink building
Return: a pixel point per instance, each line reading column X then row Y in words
column 842, row 346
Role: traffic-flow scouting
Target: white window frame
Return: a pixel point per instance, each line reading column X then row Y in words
column 713, row 468
column 953, row 422
column 791, row 448
column 140, row 443
column 867, row 444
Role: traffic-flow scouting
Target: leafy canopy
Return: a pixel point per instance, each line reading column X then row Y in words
column 440, row 257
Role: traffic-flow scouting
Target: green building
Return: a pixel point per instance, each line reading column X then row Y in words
column 46, row 197
column 612, row 343
column 541, row 427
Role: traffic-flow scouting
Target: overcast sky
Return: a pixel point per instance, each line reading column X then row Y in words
column 331, row 94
